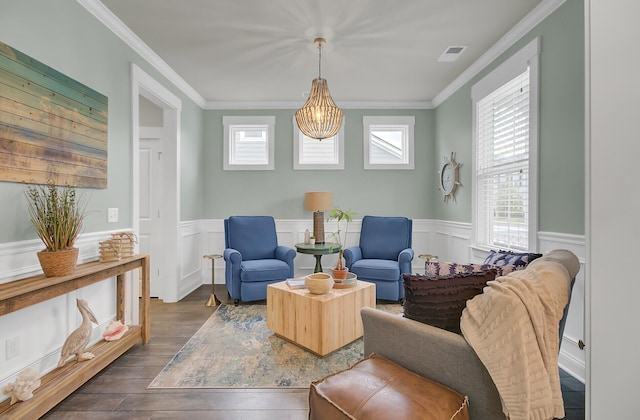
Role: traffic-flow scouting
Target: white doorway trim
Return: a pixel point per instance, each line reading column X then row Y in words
column 144, row 85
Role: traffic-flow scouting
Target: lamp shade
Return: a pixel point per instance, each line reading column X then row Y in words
column 317, row 200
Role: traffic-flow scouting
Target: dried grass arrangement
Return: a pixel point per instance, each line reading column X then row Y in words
column 57, row 214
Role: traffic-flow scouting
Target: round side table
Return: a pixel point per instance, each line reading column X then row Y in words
column 213, row 300
column 318, row 250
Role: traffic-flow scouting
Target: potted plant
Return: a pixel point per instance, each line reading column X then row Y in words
column 340, row 271
column 57, row 214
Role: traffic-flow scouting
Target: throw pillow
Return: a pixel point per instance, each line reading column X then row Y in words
column 439, row 268
column 503, row 258
column 439, row 301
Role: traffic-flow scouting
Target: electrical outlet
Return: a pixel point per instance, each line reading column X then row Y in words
column 112, row 215
column 12, row 347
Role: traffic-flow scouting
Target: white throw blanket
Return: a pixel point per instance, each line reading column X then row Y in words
column 513, row 328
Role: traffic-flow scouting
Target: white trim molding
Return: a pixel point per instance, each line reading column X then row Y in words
column 530, row 21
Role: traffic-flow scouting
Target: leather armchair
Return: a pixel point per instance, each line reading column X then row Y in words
column 253, row 258
column 384, row 254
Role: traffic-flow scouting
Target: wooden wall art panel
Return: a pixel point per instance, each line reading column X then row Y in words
column 52, row 128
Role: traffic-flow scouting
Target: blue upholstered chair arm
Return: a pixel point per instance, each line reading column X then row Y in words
column 233, row 260
column 286, row 254
column 404, row 260
column 351, row 255
column 232, row 256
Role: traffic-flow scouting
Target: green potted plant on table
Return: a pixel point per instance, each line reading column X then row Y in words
column 340, row 271
column 57, row 214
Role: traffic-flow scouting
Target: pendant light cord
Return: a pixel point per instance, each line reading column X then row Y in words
column 319, row 58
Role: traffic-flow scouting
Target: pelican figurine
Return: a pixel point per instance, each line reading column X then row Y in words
column 78, row 340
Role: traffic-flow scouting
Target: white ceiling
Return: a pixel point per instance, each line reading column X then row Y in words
column 236, row 51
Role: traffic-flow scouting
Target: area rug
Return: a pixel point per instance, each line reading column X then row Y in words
column 234, row 349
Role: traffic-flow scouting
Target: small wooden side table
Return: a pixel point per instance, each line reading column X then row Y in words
column 213, row 300
column 427, row 258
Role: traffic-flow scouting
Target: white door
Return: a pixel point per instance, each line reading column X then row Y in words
column 151, row 172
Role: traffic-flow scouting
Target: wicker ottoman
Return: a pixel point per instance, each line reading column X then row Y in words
column 377, row 388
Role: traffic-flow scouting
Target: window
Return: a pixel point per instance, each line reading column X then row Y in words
column 505, row 153
column 388, row 142
column 311, row 153
column 248, row 143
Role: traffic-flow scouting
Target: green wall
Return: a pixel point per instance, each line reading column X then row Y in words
column 561, row 127
column 63, row 35
column 280, row 192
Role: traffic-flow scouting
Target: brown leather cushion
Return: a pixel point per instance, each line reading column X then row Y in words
column 377, row 388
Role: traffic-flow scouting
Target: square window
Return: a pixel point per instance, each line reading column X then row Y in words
column 388, row 142
column 317, row 154
column 248, row 143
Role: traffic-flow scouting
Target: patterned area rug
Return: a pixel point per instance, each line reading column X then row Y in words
column 234, row 349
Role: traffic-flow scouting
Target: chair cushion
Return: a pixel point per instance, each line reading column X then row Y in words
column 253, row 236
column 379, row 270
column 439, row 301
column 377, row 388
column 384, row 237
column 263, row 270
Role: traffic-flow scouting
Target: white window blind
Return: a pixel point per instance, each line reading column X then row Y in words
column 249, row 145
column 314, row 154
column 248, row 142
column 502, row 165
column 321, row 152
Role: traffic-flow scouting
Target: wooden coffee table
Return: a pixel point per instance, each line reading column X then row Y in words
column 318, row 323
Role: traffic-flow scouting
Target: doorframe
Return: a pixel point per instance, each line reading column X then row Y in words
column 142, row 84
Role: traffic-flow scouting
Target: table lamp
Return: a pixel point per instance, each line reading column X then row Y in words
column 317, row 202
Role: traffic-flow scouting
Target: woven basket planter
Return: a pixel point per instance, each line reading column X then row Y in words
column 58, row 263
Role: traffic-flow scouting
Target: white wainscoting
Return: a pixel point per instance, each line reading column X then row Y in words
column 450, row 241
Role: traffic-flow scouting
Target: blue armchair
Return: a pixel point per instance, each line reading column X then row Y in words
column 253, row 257
column 384, row 254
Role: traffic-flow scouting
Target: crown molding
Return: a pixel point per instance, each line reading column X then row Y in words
column 122, row 31
column 107, row 18
column 537, row 15
column 219, row 105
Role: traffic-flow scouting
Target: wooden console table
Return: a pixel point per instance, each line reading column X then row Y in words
column 61, row 382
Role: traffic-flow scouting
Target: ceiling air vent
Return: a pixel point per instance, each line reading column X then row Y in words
column 451, row 53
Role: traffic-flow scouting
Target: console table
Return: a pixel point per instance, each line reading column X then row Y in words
column 61, row 382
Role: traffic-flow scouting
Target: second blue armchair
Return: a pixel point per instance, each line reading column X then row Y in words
column 253, row 257
column 384, row 254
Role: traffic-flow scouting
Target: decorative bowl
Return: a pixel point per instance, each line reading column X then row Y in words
column 319, row 283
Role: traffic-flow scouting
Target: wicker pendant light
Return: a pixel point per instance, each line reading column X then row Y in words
column 319, row 118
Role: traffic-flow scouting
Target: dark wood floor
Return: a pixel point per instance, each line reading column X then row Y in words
column 120, row 391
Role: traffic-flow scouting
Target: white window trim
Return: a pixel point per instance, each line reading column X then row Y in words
column 408, row 121
column 270, row 121
column 297, row 143
column 509, row 69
